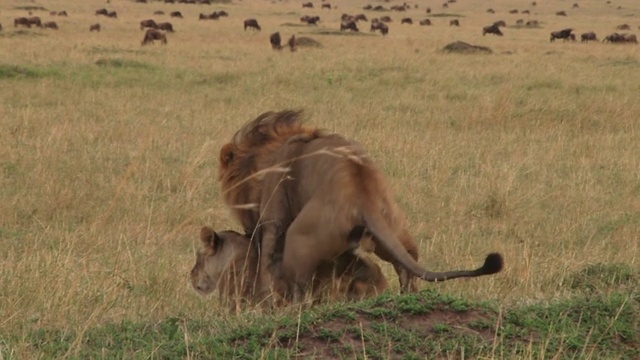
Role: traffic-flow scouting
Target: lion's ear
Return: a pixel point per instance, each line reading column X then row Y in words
column 226, row 155
column 210, row 239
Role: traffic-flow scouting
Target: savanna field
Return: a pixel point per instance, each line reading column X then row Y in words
column 108, row 170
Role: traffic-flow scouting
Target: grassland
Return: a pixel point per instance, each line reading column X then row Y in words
column 108, row 155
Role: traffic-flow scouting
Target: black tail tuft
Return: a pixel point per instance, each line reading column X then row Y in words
column 492, row 264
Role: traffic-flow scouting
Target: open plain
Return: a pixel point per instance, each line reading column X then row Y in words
column 109, row 154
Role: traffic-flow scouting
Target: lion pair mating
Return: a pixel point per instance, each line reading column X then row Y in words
column 315, row 205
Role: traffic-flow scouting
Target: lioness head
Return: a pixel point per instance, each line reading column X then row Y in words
column 221, row 263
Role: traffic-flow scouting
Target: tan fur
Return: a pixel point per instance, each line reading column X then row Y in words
column 228, row 263
column 308, row 191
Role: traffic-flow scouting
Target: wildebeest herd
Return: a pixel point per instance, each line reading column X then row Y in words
column 347, row 22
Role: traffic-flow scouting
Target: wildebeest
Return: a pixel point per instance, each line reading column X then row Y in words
column 176, row 14
column 34, row 20
column 213, row 16
column 62, row 13
column 307, row 5
column 367, row 7
column 148, row 23
column 360, row 17
column 525, row 12
column 158, row 12
column 349, row 25
column 94, row 27
column 21, row 21
column 575, row 6
column 102, row 12
column 519, row 22
column 293, row 43
column 623, row 27
column 112, row 14
column 386, row 19
column 500, row 23
column 378, row 25
column 310, row 20
column 425, row 22
column 531, row 23
column 514, row 11
column 0, row 27
column 492, row 29
column 588, row 36
column 454, row 22
column 166, row 26
column 223, row 13
column 561, row 13
column 428, row 10
column 251, row 23
column 50, row 25
column 491, row 11
column 406, row 21
column 564, row 34
column 276, row 41
column 152, row 34
column 326, row 6
column 620, row 38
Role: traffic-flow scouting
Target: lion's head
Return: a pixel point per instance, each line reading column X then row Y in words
column 223, row 263
column 251, row 150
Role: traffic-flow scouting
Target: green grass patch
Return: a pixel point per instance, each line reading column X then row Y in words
column 406, row 326
column 26, row 72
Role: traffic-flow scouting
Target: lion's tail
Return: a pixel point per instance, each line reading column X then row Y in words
column 377, row 225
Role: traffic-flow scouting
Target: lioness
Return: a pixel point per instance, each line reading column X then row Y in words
column 228, row 263
column 315, row 189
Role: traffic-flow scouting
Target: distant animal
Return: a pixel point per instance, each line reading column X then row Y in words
column 491, row 11
column 406, row 21
column 166, row 26
column 621, row 38
column 35, row 20
column 425, row 22
column 367, row 7
column 176, row 14
column 379, row 25
column 252, row 24
column 50, row 25
column 22, row 21
column 103, row 12
column 531, row 23
column 500, row 23
column 623, row 27
column 213, row 16
column 152, row 35
column 564, row 34
column 386, row 19
column 223, row 13
column 62, row 13
column 158, row 12
column 514, row 11
column 492, row 29
column 307, row 5
column 276, row 41
column 588, row 36
column 520, row 22
column 112, row 14
column 575, row 6
column 561, row 13
column 293, row 43
column 326, row 6
column 349, row 25
column 94, row 27
column 360, row 17
column 148, row 23
column 525, row 12
column 454, row 22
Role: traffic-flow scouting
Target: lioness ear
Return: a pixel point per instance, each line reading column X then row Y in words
column 210, row 239
column 226, row 155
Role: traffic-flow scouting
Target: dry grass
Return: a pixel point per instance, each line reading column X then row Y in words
column 107, row 172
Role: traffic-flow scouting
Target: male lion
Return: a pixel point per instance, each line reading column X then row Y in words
column 281, row 178
column 229, row 263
